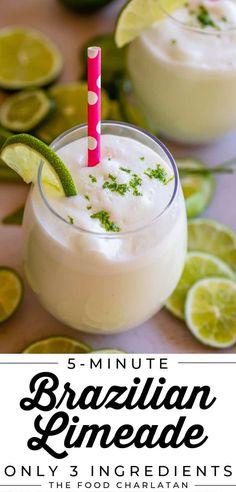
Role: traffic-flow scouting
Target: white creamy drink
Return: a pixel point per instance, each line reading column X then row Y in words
column 183, row 70
column 107, row 259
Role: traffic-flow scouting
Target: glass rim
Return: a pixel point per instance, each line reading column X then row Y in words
column 197, row 30
column 113, row 235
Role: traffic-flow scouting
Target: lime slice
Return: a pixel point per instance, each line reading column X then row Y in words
column 211, row 312
column 27, row 58
column 214, row 238
column 57, row 345
column 24, row 154
column 108, row 351
column 11, row 292
column 137, row 15
column 197, row 266
column 198, row 189
column 129, row 108
column 113, row 62
column 25, row 110
column 85, row 6
column 15, row 217
column 71, row 103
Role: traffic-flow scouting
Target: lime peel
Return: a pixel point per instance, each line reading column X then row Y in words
column 24, row 153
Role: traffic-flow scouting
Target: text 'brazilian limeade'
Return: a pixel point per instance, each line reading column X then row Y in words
column 107, row 259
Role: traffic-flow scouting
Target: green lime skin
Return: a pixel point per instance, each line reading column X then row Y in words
column 85, row 6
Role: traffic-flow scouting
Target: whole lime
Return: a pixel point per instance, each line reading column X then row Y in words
column 85, row 6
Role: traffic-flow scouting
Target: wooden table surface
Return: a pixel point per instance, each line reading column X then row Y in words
column 163, row 333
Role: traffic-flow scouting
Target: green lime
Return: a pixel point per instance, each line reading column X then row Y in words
column 24, row 153
column 57, row 345
column 108, row 351
column 137, row 15
column 27, row 58
column 4, row 134
column 198, row 189
column 113, row 62
column 115, row 113
column 11, row 292
column 71, row 110
column 24, row 110
column 211, row 312
column 15, row 217
column 214, row 238
column 129, row 108
column 85, row 6
column 197, row 266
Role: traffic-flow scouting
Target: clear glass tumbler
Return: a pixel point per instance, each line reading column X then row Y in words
column 104, row 282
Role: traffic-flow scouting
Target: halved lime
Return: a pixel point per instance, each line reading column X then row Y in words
column 71, row 110
column 108, row 351
column 11, row 292
column 129, row 108
column 57, row 345
column 137, row 15
column 85, row 6
column 113, row 62
column 197, row 266
column 27, row 58
column 214, row 238
column 198, row 189
column 211, row 312
column 24, row 153
column 24, row 110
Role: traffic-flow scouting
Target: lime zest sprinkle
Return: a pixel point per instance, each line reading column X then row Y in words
column 125, row 169
column 158, row 173
column 71, row 220
column 93, row 178
column 134, row 183
column 87, row 198
column 105, row 221
column 89, row 207
column 142, row 158
column 121, row 189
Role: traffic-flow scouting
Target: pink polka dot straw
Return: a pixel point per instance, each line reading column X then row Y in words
column 94, row 106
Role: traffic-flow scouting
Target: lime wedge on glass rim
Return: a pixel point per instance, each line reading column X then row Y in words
column 198, row 189
column 57, row 345
column 71, row 110
column 210, row 312
column 197, row 266
column 24, row 153
column 27, row 58
column 11, row 292
column 24, row 110
column 209, row 236
column 137, row 15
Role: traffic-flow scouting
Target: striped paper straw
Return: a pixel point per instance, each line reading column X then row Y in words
column 94, row 106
